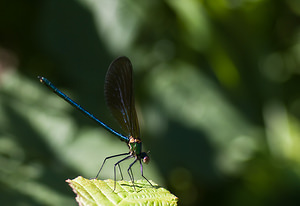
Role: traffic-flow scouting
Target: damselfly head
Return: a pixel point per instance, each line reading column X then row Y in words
column 145, row 157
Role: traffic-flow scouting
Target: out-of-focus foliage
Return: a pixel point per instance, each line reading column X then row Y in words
column 217, row 89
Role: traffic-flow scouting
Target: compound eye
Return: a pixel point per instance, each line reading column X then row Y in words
column 146, row 159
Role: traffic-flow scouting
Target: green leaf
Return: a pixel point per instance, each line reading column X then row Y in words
column 100, row 192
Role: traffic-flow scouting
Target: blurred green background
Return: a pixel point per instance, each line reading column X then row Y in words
column 217, row 92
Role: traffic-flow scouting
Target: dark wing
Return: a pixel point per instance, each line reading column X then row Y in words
column 118, row 90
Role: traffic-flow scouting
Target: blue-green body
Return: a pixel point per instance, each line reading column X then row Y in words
column 80, row 108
